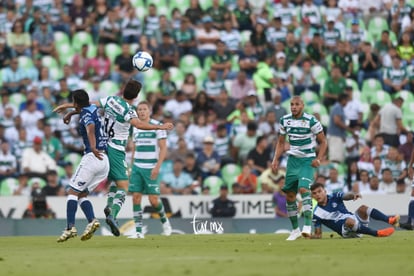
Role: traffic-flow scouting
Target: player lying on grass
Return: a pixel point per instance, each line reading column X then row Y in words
column 332, row 212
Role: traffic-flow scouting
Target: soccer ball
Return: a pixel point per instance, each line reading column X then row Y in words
column 142, row 61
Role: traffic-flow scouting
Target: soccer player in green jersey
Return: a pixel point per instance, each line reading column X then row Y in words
column 119, row 115
column 302, row 130
column 150, row 152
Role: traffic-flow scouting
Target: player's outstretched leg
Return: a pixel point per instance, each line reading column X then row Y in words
column 113, row 224
column 110, row 199
column 118, row 202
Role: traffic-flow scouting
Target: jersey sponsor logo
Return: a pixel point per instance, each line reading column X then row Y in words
column 116, row 106
column 81, row 183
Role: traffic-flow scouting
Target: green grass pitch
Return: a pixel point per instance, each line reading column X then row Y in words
column 227, row 254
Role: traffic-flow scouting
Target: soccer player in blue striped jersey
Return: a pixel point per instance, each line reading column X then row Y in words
column 302, row 130
column 332, row 212
column 149, row 154
column 92, row 170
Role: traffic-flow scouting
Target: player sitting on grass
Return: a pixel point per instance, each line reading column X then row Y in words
column 331, row 212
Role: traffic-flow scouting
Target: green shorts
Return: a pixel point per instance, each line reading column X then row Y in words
column 118, row 168
column 299, row 173
column 141, row 182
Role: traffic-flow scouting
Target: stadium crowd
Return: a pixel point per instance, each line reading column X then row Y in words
column 224, row 72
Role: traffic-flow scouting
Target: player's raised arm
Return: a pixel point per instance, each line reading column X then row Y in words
column 146, row 126
column 63, row 107
column 351, row 196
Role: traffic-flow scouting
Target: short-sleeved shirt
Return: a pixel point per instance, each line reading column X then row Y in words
column 335, row 87
column 342, row 62
column 302, row 134
column 389, row 114
column 396, row 75
column 333, row 214
column 146, row 146
column 89, row 115
column 333, row 129
column 117, row 117
column 178, row 182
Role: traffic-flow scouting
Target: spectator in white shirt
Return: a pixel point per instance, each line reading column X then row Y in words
column 8, row 163
column 36, row 162
column 353, row 109
column 178, row 105
column 388, row 184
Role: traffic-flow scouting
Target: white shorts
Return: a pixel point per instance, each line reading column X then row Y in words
column 349, row 233
column 90, row 172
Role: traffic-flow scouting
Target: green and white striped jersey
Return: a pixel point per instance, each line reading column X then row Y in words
column 146, row 146
column 302, row 134
column 396, row 75
column 118, row 114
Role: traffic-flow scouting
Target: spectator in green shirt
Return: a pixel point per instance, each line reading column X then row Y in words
column 343, row 60
column 334, row 86
column 315, row 50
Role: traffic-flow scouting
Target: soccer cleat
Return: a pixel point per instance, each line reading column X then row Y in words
column 113, row 225
column 294, row 235
column 67, row 234
column 394, row 221
column 406, row 226
column 307, row 231
column 136, row 236
column 385, row 232
column 90, row 229
column 107, row 211
column 167, row 229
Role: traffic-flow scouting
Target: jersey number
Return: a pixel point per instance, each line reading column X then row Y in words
column 109, row 128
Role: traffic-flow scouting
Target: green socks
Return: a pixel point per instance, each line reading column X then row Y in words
column 111, row 195
column 119, row 200
column 138, row 217
column 161, row 212
column 292, row 209
column 307, row 208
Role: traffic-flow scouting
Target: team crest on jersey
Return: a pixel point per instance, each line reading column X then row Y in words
column 334, row 204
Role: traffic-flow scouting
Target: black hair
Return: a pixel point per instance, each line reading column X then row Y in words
column 260, row 139
column 317, row 185
column 132, row 89
column 80, row 97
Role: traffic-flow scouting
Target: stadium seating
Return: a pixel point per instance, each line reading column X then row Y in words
column 37, row 180
column 229, row 173
column 369, row 88
column 112, row 50
column 25, row 62
column 81, row 38
column 61, row 37
column 49, row 61
column 319, row 73
column 310, row 97
column 65, row 52
column 182, row 5
column 188, row 63
column 8, row 186
column 17, row 99
column 109, row 87
column 380, row 97
column 214, row 183
column 375, row 27
column 74, row 158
